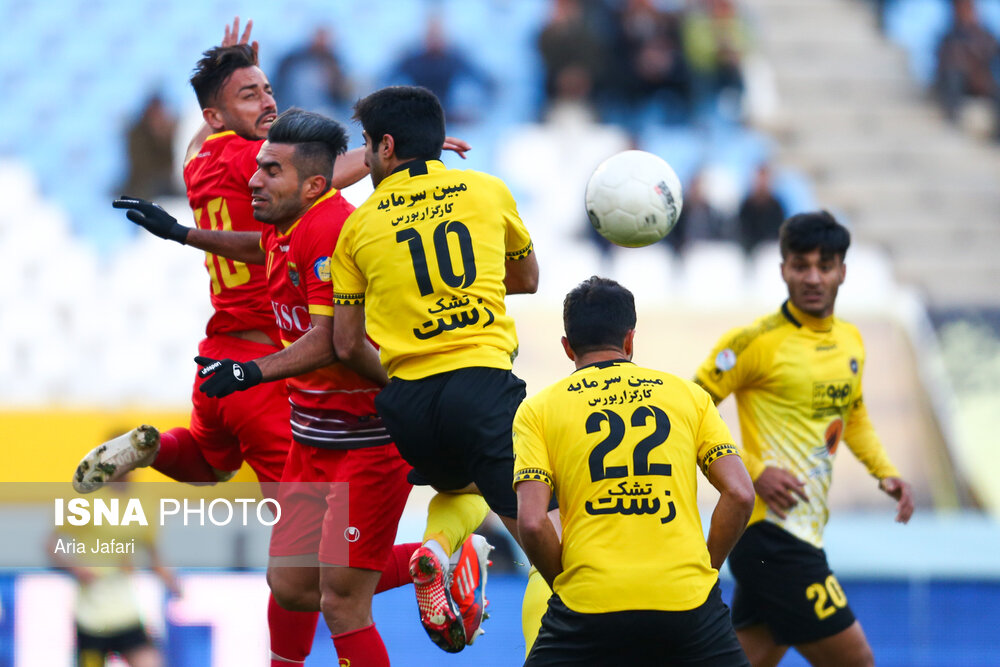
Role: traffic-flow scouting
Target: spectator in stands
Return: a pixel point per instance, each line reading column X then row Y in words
column 440, row 67
column 716, row 38
column 150, row 142
column 653, row 68
column 310, row 77
column 574, row 57
column 699, row 219
column 968, row 63
column 761, row 213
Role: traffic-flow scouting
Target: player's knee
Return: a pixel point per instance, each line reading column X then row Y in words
column 344, row 609
column 289, row 595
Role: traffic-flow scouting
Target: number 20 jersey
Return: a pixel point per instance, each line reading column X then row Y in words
column 621, row 445
column 426, row 254
column 217, row 181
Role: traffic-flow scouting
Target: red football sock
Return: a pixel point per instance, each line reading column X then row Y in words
column 396, row 572
column 179, row 458
column 292, row 633
column 362, row 647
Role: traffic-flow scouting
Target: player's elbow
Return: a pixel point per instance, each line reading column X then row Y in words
column 531, row 284
column 741, row 498
column 344, row 347
column 532, row 525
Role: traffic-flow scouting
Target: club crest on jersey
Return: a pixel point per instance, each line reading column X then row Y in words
column 321, row 267
column 854, row 365
column 293, row 274
column 725, row 360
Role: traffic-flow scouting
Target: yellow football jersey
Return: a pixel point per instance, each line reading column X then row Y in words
column 797, row 381
column 426, row 255
column 620, row 446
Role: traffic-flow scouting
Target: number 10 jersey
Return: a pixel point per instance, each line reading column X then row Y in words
column 426, row 255
column 217, row 181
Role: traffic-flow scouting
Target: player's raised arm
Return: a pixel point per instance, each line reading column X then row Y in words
column 229, row 38
column 351, row 167
column 240, row 246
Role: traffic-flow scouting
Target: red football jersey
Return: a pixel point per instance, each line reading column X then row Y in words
column 217, row 181
column 299, row 284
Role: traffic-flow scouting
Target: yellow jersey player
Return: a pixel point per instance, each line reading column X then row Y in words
column 797, row 375
column 426, row 263
column 620, row 445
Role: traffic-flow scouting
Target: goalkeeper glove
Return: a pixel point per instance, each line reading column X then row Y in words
column 153, row 218
column 226, row 376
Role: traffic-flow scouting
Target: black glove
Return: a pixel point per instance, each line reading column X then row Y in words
column 152, row 217
column 226, row 376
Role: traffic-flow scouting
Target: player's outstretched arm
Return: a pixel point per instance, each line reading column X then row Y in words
column 352, row 346
column 239, row 246
column 536, row 533
column 736, row 498
column 903, row 493
column 351, row 168
column 314, row 350
column 522, row 275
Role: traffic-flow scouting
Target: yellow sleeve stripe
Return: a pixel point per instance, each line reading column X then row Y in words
column 348, row 298
column 321, row 310
column 520, row 254
column 532, row 475
column 716, row 453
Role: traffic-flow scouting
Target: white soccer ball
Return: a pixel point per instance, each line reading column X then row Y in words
column 634, row 198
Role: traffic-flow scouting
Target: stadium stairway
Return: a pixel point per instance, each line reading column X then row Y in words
column 878, row 151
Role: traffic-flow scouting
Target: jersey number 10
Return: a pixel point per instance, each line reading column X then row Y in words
column 442, row 251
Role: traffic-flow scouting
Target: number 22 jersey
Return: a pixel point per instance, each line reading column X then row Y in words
column 620, row 445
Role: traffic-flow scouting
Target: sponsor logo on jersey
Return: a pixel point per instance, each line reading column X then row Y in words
column 725, row 360
column 352, row 534
column 854, row 365
column 321, row 267
column 831, row 398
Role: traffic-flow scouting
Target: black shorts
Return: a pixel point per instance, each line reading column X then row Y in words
column 455, row 428
column 703, row 636
column 786, row 584
column 119, row 642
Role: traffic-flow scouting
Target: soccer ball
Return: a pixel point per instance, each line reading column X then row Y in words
column 633, row 198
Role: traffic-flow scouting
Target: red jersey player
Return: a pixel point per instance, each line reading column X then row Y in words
column 338, row 436
column 238, row 108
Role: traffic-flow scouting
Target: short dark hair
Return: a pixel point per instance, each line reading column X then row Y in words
column 215, row 67
column 597, row 314
column 818, row 230
column 318, row 141
column 411, row 114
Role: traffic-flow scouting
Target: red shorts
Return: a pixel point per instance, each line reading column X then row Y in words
column 341, row 504
column 250, row 425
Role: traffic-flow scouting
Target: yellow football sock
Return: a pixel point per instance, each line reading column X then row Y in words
column 452, row 517
column 536, row 601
